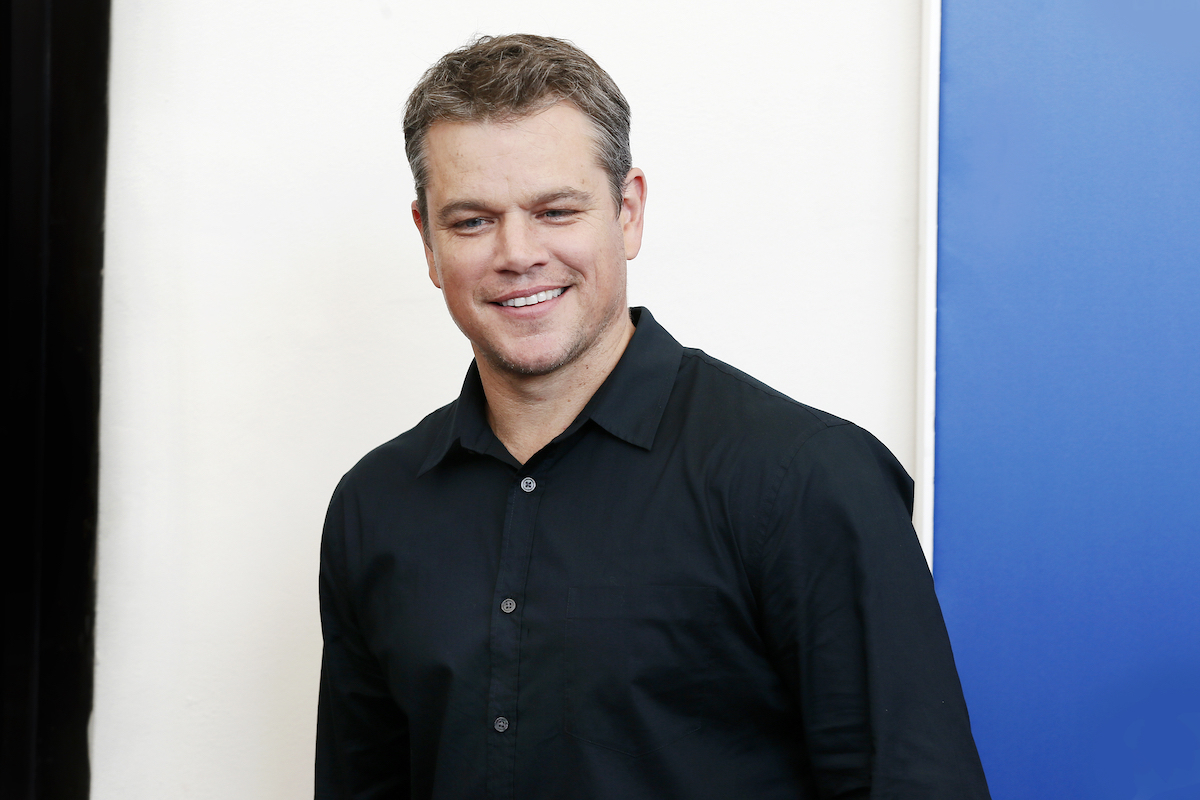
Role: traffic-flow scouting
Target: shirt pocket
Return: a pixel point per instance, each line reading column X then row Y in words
column 639, row 663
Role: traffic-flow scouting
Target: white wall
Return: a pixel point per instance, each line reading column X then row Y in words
column 268, row 319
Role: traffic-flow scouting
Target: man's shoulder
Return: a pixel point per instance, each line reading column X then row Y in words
column 400, row 460
column 758, row 431
column 718, row 393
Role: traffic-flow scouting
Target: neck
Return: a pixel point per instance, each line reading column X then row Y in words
column 527, row 411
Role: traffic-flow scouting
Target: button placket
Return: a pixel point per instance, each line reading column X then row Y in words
column 505, row 640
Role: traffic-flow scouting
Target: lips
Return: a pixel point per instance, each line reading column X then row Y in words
column 532, row 299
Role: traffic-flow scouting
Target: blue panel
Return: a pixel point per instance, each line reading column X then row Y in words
column 1068, row 429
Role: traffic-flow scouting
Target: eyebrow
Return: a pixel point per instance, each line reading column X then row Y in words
column 446, row 212
column 576, row 195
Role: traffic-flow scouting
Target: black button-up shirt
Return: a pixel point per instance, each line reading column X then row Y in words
column 701, row 589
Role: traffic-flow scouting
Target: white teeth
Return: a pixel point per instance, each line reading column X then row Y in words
column 532, row 299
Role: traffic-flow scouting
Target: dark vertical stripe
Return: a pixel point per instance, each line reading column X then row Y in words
column 53, row 237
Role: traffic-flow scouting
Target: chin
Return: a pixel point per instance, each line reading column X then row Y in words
column 529, row 367
column 532, row 364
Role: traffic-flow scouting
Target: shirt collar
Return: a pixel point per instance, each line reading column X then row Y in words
column 629, row 404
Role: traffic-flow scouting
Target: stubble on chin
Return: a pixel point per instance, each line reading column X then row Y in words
column 581, row 342
column 501, row 363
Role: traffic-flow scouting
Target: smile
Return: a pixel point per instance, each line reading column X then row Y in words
column 533, row 299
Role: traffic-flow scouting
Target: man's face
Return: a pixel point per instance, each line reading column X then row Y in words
column 525, row 241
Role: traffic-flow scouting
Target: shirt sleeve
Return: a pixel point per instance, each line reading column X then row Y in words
column 855, row 629
column 362, row 735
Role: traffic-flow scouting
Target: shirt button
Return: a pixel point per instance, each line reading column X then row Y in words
column 529, row 484
column 501, row 724
column 508, row 605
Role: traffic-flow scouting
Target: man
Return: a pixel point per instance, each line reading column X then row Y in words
column 613, row 567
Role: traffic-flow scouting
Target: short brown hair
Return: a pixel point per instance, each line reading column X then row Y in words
column 496, row 78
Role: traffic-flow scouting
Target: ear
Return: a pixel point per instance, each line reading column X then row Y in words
column 433, row 275
column 633, row 210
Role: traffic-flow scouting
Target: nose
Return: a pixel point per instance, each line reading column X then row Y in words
column 519, row 248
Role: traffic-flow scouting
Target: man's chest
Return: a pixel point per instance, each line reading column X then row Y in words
column 606, row 599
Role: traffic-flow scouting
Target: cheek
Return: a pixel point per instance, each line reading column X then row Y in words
column 456, row 272
column 595, row 255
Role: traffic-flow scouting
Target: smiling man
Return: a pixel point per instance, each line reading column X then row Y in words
column 528, row 244
column 614, row 567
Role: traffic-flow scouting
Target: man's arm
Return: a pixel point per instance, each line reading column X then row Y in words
column 362, row 736
column 856, row 630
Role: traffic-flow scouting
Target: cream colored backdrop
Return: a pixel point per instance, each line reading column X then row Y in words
column 268, row 319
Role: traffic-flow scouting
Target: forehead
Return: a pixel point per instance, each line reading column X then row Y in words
column 554, row 146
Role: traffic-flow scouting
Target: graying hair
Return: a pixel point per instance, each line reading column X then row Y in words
column 498, row 78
